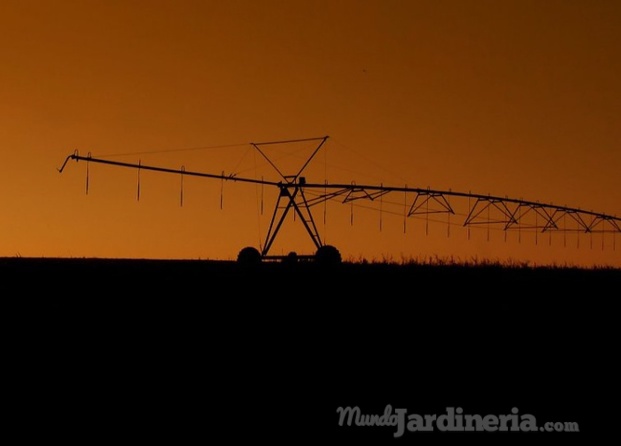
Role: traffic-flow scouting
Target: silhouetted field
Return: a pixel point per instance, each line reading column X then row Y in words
column 171, row 348
column 203, row 277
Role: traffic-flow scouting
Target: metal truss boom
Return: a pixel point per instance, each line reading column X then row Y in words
column 299, row 196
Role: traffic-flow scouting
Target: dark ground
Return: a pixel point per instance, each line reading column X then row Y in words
column 173, row 350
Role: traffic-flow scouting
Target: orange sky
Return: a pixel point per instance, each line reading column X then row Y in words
column 512, row 98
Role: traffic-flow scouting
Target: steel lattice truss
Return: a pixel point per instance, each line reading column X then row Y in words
column 297, row 196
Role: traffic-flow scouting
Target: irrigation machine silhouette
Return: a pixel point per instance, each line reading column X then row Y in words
column 297, row 195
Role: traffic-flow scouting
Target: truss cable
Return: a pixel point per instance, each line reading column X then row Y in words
column 416, row 217
column 235, row 170
column 188, row 149
column 373, row 162
column 289, row 141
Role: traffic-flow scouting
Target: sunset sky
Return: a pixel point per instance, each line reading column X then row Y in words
column 517, row 98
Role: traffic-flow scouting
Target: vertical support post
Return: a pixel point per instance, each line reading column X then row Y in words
column 181, row 191
column 138, row 185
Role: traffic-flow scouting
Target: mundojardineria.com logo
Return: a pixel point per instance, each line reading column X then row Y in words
column 452, row 420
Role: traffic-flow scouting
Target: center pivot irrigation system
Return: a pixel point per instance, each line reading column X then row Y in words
column 297, row 195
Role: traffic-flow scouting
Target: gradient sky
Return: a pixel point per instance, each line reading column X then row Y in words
column 511, row 98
